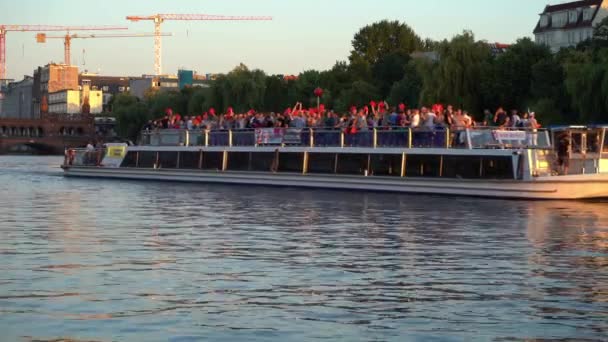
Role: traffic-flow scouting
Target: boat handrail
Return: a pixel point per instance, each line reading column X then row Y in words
column 377, row 137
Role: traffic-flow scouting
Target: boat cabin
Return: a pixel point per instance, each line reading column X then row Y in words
column 588, row 150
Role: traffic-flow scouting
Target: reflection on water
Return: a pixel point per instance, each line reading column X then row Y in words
column 117, row 260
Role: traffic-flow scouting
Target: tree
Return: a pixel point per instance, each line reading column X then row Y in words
column 198, row 100
column 407, row 90
column 276, row 95
column 457, row 75
column 388, row 70
column 514, row 72
column 382, row 38
column 600, row 33
column 241, row 88
column 587, row 84
column 359, row 94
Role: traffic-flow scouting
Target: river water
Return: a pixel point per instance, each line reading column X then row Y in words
column 101, row 260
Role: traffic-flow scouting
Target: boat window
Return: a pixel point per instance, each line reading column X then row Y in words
column 147, row 159
column 593, row 142
column 189, row 160
column 495, row 167
column 262, row 161
column 213, row 160
column 130, row 160
column 352, row 164
column 291, row 162
column 239, row 161
column 422, row 166
column 576, row 142
column 461, row 167
column 321, row 163
column 385, row 164
column 167, row 160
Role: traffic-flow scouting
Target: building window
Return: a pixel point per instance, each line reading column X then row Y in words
column 587, row 14
column 544, row 20
column 573, row 17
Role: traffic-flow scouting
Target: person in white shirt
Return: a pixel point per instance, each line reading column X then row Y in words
column 415, row 119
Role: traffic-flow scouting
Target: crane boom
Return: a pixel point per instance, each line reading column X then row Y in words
column 41, row 38
column 158, row 19
column 23, row 28
column 196, row 17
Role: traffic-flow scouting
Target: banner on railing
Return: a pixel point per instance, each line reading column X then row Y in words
column 115, row 153
column 509, row 135
column 277, row 136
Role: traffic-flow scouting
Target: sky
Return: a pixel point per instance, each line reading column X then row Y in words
column 303, row 35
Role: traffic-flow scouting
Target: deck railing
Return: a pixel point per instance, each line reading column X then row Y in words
column 400, row 137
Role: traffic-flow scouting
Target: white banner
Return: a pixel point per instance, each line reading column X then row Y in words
column 277, row 136
column 509, row 135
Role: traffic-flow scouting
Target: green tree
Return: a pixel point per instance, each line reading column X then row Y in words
column 198, row 100
column 407, row 90
column 241, row 89
column 587, row 84
column 388, row 70
column 457, row 75
column 600, row 33
column 513, row 72
column 276, row 95
column 358, row 94
column 374, row 41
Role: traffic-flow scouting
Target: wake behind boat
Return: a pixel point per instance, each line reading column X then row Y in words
column 489, row 162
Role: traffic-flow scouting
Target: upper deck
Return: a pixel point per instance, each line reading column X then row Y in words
column 381, row 137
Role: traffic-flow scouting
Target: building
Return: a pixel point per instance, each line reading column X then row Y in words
column 139, row 86
column 17, row 101
column 64, row 101
column 497, row 49
column 76, row 101
column 52, row 78
column 566, row 25
column 109, row 85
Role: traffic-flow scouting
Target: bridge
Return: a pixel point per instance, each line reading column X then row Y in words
column 50, row 134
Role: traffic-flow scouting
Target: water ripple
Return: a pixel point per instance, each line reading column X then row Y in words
column 99, row 260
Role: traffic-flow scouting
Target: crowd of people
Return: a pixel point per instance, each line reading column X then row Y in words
column 376, row 114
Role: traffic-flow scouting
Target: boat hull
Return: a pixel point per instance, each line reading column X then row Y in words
column 543, row 188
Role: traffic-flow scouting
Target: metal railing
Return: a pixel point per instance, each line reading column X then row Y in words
column 403, row 137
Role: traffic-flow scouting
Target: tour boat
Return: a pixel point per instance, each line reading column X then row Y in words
column 487, row 162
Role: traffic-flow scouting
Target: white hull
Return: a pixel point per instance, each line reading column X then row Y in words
column 546, row 188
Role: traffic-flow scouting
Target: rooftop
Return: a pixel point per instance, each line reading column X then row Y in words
column 580, row 22
column 572, row 5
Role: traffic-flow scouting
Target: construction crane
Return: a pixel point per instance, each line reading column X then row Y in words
column 160, row 18
column 40, row 28
column 42, row 37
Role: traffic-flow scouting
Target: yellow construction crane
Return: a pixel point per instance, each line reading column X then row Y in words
column 42, row 37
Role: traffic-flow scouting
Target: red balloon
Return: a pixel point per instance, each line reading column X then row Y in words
column 318, row 92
